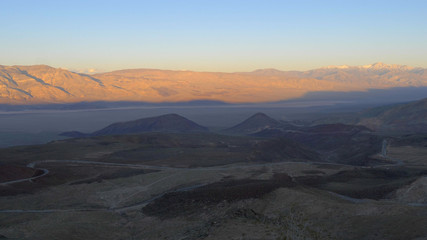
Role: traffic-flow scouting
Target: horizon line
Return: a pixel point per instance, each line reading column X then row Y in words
column 95, row 70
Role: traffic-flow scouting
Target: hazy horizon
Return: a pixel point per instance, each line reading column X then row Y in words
column 96, row 71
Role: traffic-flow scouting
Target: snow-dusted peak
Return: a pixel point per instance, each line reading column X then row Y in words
column 374, row 66
column 380, row 66
column 337, row 67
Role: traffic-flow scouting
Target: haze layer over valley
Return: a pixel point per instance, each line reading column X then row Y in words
column 43, row 84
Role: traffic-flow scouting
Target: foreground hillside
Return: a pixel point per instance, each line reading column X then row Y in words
column 409, row 117
column 208, row 186
column 167, row 177
column 44, row 84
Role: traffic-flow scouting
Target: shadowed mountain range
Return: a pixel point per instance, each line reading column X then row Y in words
column 407, row 117
column 327, row 142
column 43, row 84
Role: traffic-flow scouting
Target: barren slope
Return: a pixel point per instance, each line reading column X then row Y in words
column 44, row 84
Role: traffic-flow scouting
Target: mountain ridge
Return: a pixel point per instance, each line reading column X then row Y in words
column 377, row 66
column 44, row 84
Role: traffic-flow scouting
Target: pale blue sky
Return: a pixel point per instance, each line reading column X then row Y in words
column 212, row 35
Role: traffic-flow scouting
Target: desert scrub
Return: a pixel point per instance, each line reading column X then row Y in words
column 294, row 225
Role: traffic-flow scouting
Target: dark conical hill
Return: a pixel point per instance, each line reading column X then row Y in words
column 255, row 123
column 163, row 123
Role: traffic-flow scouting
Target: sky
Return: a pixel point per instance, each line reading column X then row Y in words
column 212, row 35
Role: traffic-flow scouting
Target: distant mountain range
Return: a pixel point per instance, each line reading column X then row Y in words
column 43, row 84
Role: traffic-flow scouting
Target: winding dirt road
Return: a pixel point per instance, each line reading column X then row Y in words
column 383, row 154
